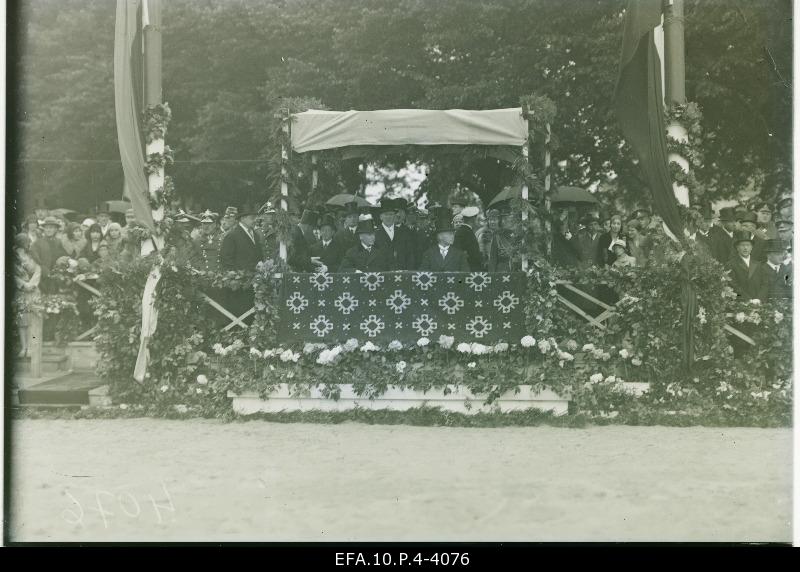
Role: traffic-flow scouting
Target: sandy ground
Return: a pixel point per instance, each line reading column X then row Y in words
column 160, row 480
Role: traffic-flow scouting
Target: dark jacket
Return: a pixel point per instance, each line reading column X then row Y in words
column 721, row 244
column 331, row 255
column 299, row 251
column 357, row 258
column 780, row 282
column 456, row 260
column 465, row 240
column 346, row 238
column 238, row 252
column 400, row 249
column 587, row 248
column 604, row 256
column 749, row 283
column 207, row 248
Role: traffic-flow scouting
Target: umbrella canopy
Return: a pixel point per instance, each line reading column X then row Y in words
column 117, row 206
column 573, row 195
column 342, row 199
column 561, row 195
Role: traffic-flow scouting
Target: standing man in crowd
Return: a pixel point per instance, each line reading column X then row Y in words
column 722, row 236
column 242, row 249
column 780, row 274
column 785, row 229
column 747, row 223
column 394, row 240
column 750, row 277
column 366, row 256
column 465, row 239
column 46, row 250
column 104, row 220
column 588, row 238
column 444, row 256
column 328, row 249
column 348, row 235
column 208, row 243
column 302, row 237
column 229, row 219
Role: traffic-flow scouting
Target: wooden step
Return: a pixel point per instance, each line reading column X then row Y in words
column 67, row 390
column 50, row 363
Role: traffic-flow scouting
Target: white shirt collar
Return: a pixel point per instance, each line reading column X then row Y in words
column 774, row 266
column 326, row 242
column 745, row 260
column 730, row 234
column 389, row 230
column 444, row 250
column 368, row 248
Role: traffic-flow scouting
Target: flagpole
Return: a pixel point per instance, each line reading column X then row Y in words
column 151, row 24
column 675, row 84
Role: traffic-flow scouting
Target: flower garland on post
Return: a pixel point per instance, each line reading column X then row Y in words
column 689, row 116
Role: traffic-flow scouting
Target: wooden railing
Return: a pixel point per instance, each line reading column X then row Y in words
column 608, row 311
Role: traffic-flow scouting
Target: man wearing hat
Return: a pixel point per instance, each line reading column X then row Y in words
column 444, row 256
column 209, row 242
column 784, row 208
column 302, row 237
column 396, row 241
column 780, row 274
column 46, row 250
column 242, row 249
column 766, row 227
column 367, row 256
column 465, row 239
column 104, row 220
column 721, row 236
column 229, row 219
column 328, row 249
column 749, row 276
column 748, row 223
column 347, row 236
column 588, row 239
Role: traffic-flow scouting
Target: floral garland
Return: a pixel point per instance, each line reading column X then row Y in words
column 156, row 120
column 157, row 161
column 690, row 117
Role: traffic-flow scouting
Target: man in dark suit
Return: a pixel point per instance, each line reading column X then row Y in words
column 465, row 239
column 587, row 240
column 780, row 274
column 748, row 223
column 750, row 277
column 395, row 240
column 785, row 228
column 721, row 236
column 328, row 249
column 347, row 236
column 366, row 256
column 242, row 249
column 46, row 250
column 302, row 237
column 444, row 257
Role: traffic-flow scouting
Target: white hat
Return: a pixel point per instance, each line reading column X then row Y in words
column 470, row 211
column 88, row 222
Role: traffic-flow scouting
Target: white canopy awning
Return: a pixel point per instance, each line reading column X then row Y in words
column 315, row 130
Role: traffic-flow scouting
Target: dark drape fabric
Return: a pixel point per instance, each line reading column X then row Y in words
column 127, row 100
column 639, row 106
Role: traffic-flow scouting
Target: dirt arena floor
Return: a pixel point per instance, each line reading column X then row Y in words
column 161, row 480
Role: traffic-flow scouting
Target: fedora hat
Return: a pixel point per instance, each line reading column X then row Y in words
column 387, row 205
column 51, row 221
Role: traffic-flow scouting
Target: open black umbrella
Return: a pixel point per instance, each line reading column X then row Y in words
column 573, row 195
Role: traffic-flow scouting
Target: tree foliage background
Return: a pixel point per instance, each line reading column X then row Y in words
column 228, row 64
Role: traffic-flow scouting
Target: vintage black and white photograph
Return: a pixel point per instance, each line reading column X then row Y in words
column 447, row 271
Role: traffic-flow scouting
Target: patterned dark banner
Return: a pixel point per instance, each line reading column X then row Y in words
column 383, row 306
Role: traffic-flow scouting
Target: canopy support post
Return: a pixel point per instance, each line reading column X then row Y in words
column 547, row 224
column 525, row 153
column 314, row 174
column 285, row 175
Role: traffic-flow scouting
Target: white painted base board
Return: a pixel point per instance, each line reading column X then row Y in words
column 460, row 400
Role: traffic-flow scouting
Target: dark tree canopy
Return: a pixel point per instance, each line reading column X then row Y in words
column 228, row 64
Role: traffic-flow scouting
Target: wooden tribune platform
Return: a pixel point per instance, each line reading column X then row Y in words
column 459, row 400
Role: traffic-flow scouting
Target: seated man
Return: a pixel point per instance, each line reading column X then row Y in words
column 444, row 257
column 366, row 257
column 328, row 250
